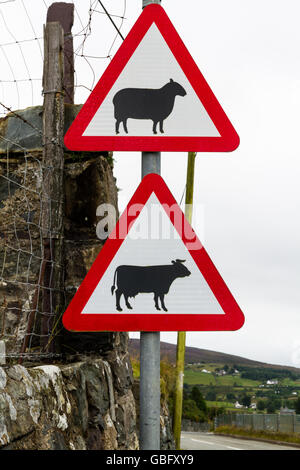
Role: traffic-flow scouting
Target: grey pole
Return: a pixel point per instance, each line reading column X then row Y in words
column 146, row 2
column 150, row 163
column 150, row 348
column 150, row 391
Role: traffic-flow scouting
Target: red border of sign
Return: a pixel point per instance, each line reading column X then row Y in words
column 74, row 320
column 153, row 13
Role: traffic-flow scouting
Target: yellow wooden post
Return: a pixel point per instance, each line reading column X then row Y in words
column 181, row 334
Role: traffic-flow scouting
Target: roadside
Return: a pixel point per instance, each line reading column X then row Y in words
column 213, row 442
column 263, row 436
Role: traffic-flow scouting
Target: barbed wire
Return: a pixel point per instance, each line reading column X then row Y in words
column 29, row 324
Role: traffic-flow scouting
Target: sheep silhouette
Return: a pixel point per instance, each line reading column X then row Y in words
column 146, row 103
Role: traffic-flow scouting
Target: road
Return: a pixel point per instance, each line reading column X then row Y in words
column 208, row 441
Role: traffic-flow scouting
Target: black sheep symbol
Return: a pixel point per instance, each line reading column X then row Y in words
column 146, row 103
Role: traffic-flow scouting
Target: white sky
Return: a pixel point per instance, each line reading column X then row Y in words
column 249, row 199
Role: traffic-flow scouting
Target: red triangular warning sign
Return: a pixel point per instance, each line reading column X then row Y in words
column 153, row 274
column 152, row 97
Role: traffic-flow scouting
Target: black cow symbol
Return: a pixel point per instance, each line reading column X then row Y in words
column 133, row 280
column 146, row 103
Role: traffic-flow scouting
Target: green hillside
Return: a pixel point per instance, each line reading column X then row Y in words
column 221, row 381
column 196, row 377
column 204, row 356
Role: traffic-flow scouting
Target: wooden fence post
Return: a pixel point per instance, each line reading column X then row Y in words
column 53, row 168
column 63, row 13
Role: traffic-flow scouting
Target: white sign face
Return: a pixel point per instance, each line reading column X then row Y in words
column 152, row 88
column 154, row 245
column 153, row 274
column 152, row 97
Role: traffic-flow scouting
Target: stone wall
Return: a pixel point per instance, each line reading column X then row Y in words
column 83, row 398
column 77, row 406
column 166, row 436
column 84, row 401
column 88, row 182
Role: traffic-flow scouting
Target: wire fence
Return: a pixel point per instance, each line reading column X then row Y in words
column 21, row 48
column 261, row 422
column 29, row 319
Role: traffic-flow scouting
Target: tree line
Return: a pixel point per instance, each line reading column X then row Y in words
column 265, row 373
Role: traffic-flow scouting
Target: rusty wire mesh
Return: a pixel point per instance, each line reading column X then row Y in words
column 28, row 323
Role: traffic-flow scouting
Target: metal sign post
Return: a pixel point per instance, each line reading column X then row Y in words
column 132, row 89
column 150, row 348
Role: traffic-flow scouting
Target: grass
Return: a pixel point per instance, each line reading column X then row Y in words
column 274, row 436
column 196, row 377
column 219, row 404
column 192, row 377
column 290, row 383
column 135, row 368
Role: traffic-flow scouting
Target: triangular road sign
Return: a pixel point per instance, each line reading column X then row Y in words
column 152, row 97
column 153, row 274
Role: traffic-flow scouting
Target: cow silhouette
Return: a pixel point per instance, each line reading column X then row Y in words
column 133, row 280
column 146, row 103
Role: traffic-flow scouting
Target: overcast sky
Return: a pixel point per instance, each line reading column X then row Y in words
column 249, row 199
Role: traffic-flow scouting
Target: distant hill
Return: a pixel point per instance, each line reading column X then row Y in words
column 196, row 355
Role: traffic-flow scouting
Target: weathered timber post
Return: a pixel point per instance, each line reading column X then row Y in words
column 53, row 167
column 64, row 13
column 181, row 335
